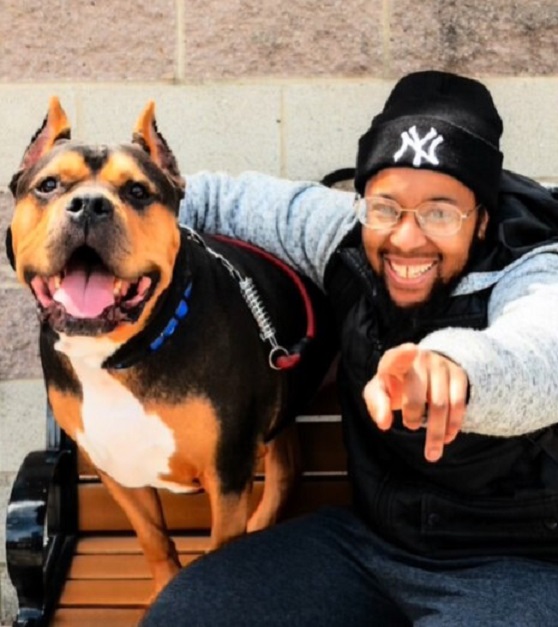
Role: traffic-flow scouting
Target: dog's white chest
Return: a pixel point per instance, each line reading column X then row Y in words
column 132, row 446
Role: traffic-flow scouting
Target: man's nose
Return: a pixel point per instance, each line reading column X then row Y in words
column 407, row 234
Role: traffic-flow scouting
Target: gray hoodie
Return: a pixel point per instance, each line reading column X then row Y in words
column 512, row 365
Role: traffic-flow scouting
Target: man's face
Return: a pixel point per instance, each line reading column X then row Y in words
column 410, row 261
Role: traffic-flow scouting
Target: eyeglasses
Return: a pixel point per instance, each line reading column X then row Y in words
column 436, row 218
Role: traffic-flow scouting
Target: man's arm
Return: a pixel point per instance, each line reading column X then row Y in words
column 512, row 365
column 300, row 222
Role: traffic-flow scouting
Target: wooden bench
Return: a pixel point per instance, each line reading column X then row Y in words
column 71, row 554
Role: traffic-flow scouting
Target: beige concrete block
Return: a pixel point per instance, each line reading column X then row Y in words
column 19, row 325
column 22, row 421
column 231, row 127
column 19, row 347
column 528, row 107
column 501, row 37
column 269, row 38
column 50, row 40
column 19, row 335
column 323, row 123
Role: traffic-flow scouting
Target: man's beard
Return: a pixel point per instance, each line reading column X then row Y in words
column 399, row 323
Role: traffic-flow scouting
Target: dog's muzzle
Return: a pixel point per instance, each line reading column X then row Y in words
column 85, row 295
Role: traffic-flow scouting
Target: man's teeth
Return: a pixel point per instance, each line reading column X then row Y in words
column 411, row 272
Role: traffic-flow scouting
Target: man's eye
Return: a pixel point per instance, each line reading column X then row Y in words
column 384, row 211
column 47, row 185
column 439, row 214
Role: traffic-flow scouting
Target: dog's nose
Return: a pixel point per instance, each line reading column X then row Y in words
column 89, row 209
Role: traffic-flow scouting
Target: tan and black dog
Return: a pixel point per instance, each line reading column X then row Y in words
column 153, row 361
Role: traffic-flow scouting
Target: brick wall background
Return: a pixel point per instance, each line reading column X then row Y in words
column 285, row 88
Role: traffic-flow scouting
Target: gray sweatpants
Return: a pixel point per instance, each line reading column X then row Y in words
column 329, row 570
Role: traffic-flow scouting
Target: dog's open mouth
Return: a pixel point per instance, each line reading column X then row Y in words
column 86, row 298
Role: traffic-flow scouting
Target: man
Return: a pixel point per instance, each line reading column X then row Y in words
column 446, row 295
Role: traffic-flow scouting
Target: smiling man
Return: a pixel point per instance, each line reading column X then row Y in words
column 443, row 274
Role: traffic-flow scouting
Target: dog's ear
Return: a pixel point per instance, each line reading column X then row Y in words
column 10, row 248
column 54, row 128
column 150, row 139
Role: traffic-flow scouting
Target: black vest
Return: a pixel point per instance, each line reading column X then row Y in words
column 487, row 495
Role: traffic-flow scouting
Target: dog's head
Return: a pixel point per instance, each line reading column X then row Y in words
column 94, row 232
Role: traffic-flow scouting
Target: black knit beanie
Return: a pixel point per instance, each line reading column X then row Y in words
column 437, row 121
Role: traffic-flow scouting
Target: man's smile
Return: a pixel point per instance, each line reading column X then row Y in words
column 410, row 272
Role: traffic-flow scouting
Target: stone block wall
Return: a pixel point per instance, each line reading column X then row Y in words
column 285, row 88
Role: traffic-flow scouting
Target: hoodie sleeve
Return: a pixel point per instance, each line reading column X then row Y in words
column 302, row 223
column 512, row 365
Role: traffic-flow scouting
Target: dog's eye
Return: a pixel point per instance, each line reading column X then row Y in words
column 137, row 191
column 47, row 185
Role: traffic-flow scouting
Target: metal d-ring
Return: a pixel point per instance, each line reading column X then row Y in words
column 274, row 354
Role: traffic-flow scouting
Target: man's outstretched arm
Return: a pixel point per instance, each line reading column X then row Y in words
column 300, row 222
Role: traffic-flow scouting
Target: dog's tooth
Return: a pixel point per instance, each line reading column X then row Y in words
column 144, row 284
column 117, row 289
column 52, row 283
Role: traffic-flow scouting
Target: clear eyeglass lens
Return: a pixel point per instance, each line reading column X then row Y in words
column 435, row 218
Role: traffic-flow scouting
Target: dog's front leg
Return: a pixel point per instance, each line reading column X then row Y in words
column 144, row 511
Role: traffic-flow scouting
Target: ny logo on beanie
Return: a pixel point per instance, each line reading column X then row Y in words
column 410, row 140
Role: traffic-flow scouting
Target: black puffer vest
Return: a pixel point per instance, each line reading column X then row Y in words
column 487, row 495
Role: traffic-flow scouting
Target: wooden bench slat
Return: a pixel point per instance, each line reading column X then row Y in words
column 108, row 592
column 98, row 512
column 129, row 545
column 97, row 617
column 127, row 566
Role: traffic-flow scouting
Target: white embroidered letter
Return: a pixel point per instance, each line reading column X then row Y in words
column 411, row 139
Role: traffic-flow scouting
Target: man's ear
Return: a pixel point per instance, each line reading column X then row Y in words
column 10, row 248
column 482, row 223
column 54, row 128
column 147, row 135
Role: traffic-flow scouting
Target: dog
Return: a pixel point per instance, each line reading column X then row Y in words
column 160, row 348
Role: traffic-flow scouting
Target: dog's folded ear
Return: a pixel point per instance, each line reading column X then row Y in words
column 147, row 135
column 55, row 127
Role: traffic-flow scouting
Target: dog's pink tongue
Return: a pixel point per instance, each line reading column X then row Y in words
column 85, row 296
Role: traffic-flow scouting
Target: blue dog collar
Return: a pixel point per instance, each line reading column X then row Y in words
column 180, row 313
